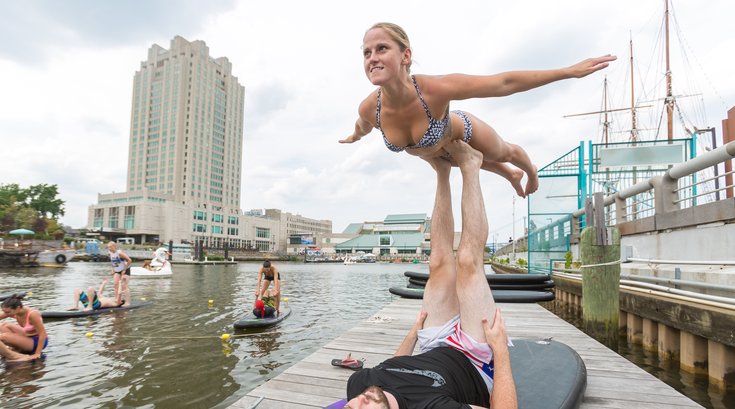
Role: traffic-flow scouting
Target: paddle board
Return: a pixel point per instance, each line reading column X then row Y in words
column 5, row 296
column 419, row 283
column 547, row 375
column 251, row 321
column 495, row 278
column 82, row 313
column 504, row 296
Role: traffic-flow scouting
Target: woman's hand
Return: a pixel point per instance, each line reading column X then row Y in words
column 590, row 65
column 350, row 139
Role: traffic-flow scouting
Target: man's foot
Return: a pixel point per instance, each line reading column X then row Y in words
column 515, row 181
column 466, row 157
column 439, row 163
column 532, row 183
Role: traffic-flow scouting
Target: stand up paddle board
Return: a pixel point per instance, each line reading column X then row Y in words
column 547, row 374
column 504, row 296
column 5, row 296
column 251, row 321
column 82, row 313
column 495, row 278
column 419, row 283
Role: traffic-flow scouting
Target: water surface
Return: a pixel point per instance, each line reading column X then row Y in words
column 169, row 355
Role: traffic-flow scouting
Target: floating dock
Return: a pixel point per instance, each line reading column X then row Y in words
column 612, row 381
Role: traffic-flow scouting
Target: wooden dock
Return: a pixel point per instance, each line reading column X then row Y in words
column 612, row 381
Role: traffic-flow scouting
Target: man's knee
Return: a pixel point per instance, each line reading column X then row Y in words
column 468, row 261
column 439, row 260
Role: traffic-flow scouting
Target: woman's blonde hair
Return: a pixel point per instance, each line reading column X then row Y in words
column 398, row 35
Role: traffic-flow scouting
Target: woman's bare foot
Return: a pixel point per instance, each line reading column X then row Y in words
column 532, row 183
column 515, row 181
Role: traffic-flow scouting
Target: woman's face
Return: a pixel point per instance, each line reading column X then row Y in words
column 382, row 56
column 11, row 312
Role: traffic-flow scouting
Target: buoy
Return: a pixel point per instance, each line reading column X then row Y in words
column 29, row 293
column 225, row 337
column 210, row 302
column 285, row 299
column 89, row 334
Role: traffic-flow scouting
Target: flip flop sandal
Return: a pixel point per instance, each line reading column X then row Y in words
column 349, row 363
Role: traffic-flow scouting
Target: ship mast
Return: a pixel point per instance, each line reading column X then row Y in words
column 606, row 122
column 669, row 93
column 633, row 128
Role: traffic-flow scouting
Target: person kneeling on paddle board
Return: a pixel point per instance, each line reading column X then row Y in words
column 464, row 360
column 98, row 301
column 262, row 310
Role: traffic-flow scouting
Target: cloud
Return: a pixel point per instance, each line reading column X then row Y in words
column 40, row 27
column 67, row 84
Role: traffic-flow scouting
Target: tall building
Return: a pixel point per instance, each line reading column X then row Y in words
column 186, row 127
column 185, row 156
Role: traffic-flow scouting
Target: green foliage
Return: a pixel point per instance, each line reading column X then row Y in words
column 521, row 262
column 36, row 208
column 568, row 260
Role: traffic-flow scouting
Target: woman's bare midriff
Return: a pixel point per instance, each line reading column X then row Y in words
column 455, row 131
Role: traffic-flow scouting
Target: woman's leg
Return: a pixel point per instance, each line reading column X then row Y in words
column 125, row 280
column 17, row 341
column 7, row 353
column 494, row 149
column 266, row 284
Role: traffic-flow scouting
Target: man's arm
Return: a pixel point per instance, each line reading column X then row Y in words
column 504, row 388
column 409, row 343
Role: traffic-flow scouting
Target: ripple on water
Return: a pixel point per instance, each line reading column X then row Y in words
column 170, row 354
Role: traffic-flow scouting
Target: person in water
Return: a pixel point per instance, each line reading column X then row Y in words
column 25, row 340
column 268, row 274
column 98, row 300
column 412, row 111
column 121, row 263
column 464, row 357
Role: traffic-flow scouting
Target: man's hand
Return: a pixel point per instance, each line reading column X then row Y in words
column 495, row 334
column 420, row 318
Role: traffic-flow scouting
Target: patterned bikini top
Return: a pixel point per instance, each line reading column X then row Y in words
column 433, row 134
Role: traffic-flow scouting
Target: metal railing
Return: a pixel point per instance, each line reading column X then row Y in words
column 668, row 192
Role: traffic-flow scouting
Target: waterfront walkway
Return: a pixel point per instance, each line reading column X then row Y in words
column 612, row 381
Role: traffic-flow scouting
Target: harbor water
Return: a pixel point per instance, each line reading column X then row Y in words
column 170, row 355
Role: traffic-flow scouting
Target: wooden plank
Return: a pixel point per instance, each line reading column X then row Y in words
column 613, row 382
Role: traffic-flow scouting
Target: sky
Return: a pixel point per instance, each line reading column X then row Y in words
column 67, row 74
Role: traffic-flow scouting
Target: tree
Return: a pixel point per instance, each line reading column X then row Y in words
column 33, row 207
column 43, row 199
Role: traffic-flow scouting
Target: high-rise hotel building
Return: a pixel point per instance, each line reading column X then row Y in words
column 185, row 156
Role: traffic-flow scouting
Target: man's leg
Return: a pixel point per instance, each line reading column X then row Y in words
column 475, row 299
column 440, row 297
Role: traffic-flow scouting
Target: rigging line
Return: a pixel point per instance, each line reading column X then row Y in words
column 685, row 44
